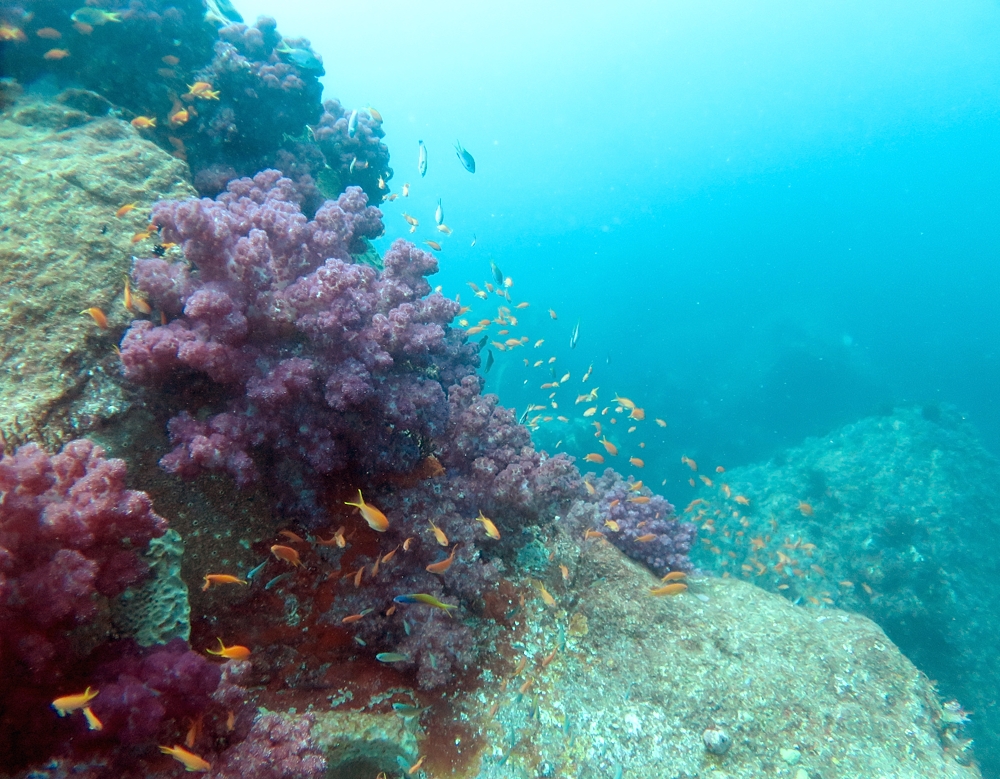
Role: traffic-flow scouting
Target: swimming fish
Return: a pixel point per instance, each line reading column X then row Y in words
column 443, row 228
column 374, row 114
column 488, row 526
column 423, row 597
column 189, row 760
column 49, row 33
column 99, row 317
column 439, row 534
column 439, row 214
column 637, row 462
column 408, row 712
column 69, row 703
column 594, row 458
column 552, row 314
column 489, row 361
column 805, row 508
column 93, row 723
column 221, row 578
column 352, row 124
column 660, row 422
column 391, row 657
column 287, row 554
column 610, row 447
column 546, row 595
column 170, row 59
column 689, row 463
column 575, row 335
column 422, row 159
column 235, row 652
column 497, row 273
column 10, row 33
column 465, row 158
column 443, row 565
column 434, row 245
column 406, row 190
column 95, row 17
column 674, row 588
column 141, row 122
column 55, row 54
column 473, row 241
column 376, row 519
column 674, row 576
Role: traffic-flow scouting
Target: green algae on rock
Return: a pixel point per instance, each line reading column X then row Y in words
column 66, row 172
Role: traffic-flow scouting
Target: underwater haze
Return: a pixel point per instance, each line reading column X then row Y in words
column 769, row 218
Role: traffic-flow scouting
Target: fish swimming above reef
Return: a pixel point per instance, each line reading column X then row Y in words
column 465, row 158
column 422, row 159
column 575, row 335
column 497, row 273
column 305, row 59
column 352, row 124
column 95, row 17
column 489, row 361
column 439, row 214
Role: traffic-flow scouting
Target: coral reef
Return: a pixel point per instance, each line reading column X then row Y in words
column 278, row 746
column 71, row 535
column 642, row 524
column 227, row 97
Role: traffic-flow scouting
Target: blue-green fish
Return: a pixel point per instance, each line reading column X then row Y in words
column 423, row 597
column 422, row 159
column 391, row 657
column 95, row 17
column 406, row 711
column 466, row 159
column 439, row 213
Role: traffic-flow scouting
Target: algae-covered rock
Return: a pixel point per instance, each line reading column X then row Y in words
column 157, row 611
column 894, row 517
column 65, row 174
column 724, row 681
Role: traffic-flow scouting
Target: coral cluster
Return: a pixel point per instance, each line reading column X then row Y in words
column 642, row 524
column 259, row 93
column 71, row 536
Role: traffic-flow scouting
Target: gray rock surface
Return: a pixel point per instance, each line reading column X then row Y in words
column 67, row 166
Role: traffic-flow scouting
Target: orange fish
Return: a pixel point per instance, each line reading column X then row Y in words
column 92, row 722
column 70, row 703
column 10, row 33
column 624, row 402
column 99, row 317
column 55, row 54
column 805, row 508
column 179, row 117
column 221, row 578
column 434, row 245
column 528, row 684
column 705, row 479
column 611, row 525
column 189, row 760
column 638, row 413
column 125, row 209
column 565, row 572
column 445, row 564
column 610, row 447
column 83, row 28
column 488, row 526
column 676, row 588
column 742, row 499
column 416, row 766
column 287, row 554
column 337, row 540
column 407, row 543
column 546, row 595
column 690, row 463
column 588, row 534
column 353, row 618
column 234, row 652
column 143, row 122
column 389, row 555
column 594, row 458
column 590, row 487
column 719, row 469
column 638, row 463
column 439, row 534
column 661, row 422
column 639, row 499
column 199, row 88
column 170, row 60
column 674, row 576
column 49, row 33
column 376, row 519
column 553, row 314
column 636, row 486
column 645, row 539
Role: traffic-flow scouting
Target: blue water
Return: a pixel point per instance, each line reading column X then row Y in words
column 769, row 218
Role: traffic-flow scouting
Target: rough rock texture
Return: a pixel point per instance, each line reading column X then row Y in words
column 65, row 173
column 893, row 517
column 637, row 680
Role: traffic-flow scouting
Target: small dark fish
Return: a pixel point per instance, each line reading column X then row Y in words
column 483, row 341
column 422, row 159
column 465, row 158
column 473, row 241
column 489, row 361
column 352, row 124
column 524, row 416
column 277, row 580
column 497, row 273
column 575, row 336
